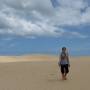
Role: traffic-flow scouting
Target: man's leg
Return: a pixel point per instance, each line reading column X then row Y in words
column 62, row 71
column 66, row 71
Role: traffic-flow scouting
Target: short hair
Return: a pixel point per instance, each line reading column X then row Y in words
column 63, row 48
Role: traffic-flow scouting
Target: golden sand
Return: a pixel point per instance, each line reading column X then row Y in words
column 41, row 72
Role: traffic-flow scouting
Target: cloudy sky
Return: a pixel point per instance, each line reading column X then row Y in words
column 44, row 26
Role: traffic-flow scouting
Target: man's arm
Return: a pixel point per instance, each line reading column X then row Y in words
column 68, row 59
column 59, row 60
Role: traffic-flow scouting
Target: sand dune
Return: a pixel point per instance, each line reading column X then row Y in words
column 41, row 72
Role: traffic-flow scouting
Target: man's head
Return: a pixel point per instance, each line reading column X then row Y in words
column 63, row 49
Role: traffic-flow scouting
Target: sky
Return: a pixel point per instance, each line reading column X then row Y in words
column 44, row 27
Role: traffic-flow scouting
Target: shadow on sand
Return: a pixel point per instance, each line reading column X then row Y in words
column 54, row 78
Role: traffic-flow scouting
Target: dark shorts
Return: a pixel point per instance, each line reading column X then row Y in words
column 64, row 68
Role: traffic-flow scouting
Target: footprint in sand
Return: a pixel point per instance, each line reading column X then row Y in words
column 52, row 77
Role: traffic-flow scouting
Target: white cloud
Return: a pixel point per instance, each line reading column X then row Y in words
column 86, row 16
column 78, row 35
column 76, row 4
column 39, row 18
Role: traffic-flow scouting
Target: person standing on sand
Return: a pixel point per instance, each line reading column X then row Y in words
column 64, row 63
